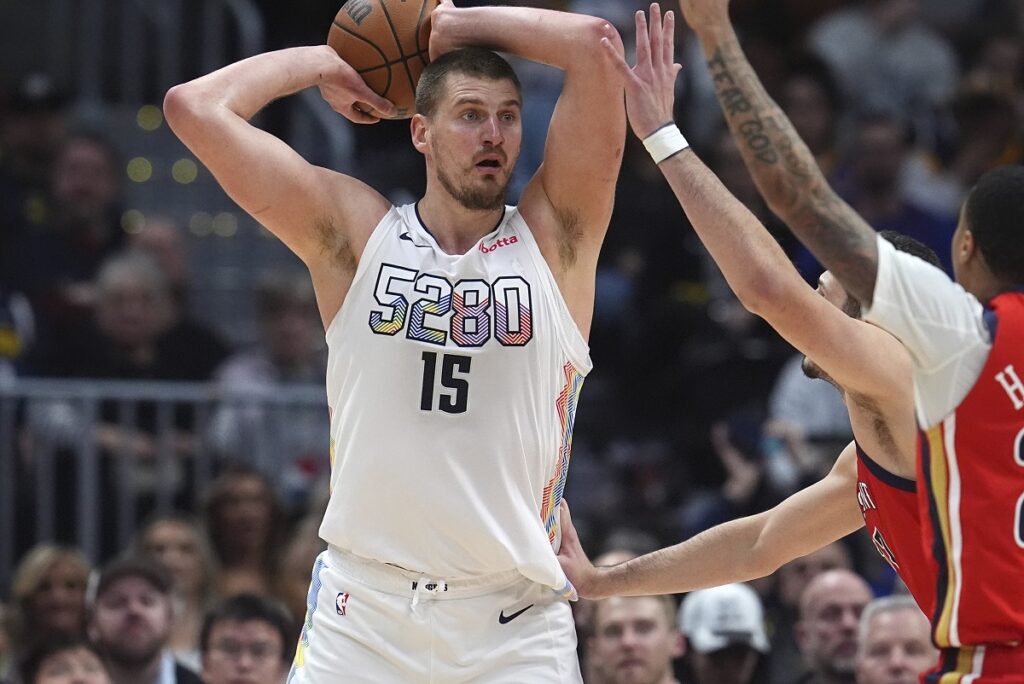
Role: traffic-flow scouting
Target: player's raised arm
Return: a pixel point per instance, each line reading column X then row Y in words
column 756, row 268
column 781, row 164
column 585, row 138
column 736, row 551
column 307, row 207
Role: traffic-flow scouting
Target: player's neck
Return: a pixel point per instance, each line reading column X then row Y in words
column 455, row 228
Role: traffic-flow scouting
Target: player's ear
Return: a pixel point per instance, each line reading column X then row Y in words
column 418, row 130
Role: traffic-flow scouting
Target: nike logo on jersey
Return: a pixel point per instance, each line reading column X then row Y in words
column 505, row 619
column 406, row 236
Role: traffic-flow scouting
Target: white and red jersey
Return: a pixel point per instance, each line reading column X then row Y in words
column 452, row 381
column 969, row 366
column 972, row 466
column 889, row 505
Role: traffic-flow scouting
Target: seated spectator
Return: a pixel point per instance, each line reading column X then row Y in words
column 130, row 623
column 57, row 263
column 31, row 132
column 812, row 100
column 583, row 615
column 178, row 542
column 807, row 425
column 164, row 241
column 782, row 606
column 126, row 340
column 894, row 642
column 72, row 661
column 247, row 638
column 986, row 113
column 47, row 598
column 725, row 636
column 245, row 524
column 830, row 610
column 887, row 58
column 739, row 445
column 290, row 439
column 871, row 181
column 634, row 640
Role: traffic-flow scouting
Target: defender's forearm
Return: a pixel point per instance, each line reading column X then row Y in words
column 785, row 170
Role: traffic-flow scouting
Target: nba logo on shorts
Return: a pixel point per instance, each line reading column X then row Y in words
column 341, row 603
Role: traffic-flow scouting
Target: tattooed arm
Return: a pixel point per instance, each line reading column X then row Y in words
column 781, row 164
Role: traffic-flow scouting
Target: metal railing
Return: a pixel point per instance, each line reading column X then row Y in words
column 85, row 461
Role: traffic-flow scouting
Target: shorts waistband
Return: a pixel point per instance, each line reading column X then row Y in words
column 392, row 579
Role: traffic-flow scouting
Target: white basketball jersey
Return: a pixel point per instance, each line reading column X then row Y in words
column 452, row 382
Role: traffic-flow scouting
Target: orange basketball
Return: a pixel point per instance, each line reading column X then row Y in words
column 386, row 42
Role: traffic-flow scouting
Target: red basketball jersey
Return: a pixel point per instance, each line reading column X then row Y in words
column 889, row 505
column 972, row 501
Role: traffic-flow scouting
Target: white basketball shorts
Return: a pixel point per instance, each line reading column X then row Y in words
column 371, row 623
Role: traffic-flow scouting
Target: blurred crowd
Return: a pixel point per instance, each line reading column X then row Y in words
column 696, row 412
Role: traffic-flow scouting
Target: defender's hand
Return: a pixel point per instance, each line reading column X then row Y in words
column 705, row 15
column 650, row 85
column 573, row 559
column 347, row 93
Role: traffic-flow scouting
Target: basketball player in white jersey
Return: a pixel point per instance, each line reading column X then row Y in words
column 457, row 331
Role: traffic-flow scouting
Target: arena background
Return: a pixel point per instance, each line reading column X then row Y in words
column 130, row 397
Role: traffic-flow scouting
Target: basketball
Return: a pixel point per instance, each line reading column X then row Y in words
column 386, row 42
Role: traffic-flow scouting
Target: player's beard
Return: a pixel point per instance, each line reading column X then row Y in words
column 815, row 372
column 476, row 198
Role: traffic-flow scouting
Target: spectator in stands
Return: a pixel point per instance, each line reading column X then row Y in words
column 986, row 115
column 812, row 100
column 583, row 615
column 57, row 264
column 808, row 423
column 725, row 635
column 130, row 623
column 738, row 442
column 30, row 135
column 178, row 542
column 872, row 185
column 783, row 606
column 47, row 598
column 290, row 439
column 164, row 240
column 65, row 661
column 247, row 638
column 634, row 641
column 128, row 337
column 886, row 58
column 245, row 523
column 894, row 642
column 830, row 609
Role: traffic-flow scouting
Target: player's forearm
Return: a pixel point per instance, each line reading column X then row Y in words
column 752, row 262
column 247, row 86
column 721, row 555
column 559, row 39
column 785, row 170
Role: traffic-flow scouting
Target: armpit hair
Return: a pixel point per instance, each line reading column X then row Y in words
column 333, row 243
column 569, row 235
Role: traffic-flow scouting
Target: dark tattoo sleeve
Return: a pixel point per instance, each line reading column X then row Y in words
column 788, row 176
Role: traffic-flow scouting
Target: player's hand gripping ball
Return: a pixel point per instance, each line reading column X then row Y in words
column 386, row 42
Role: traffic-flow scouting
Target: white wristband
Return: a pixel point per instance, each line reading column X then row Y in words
column 665, row 142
